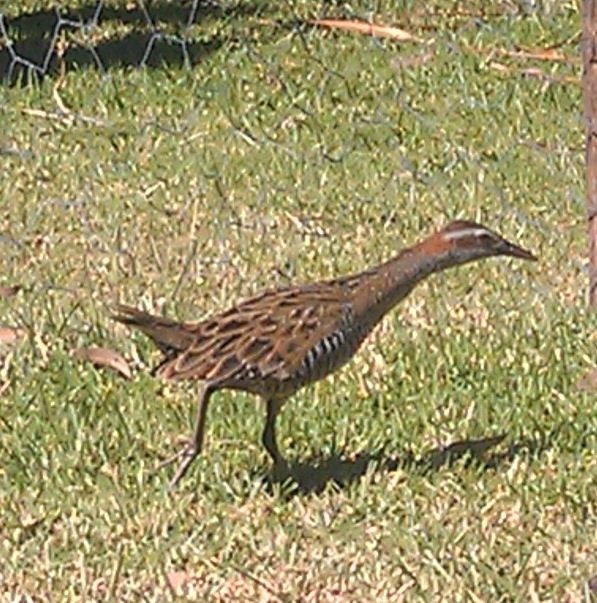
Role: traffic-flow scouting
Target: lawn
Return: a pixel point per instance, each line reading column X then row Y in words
column 453, row 460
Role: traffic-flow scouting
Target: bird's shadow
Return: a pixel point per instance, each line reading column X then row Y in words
column 313, row 475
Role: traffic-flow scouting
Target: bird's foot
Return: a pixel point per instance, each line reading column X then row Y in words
column 185, row 456
column 185, row 446
column 188, row 456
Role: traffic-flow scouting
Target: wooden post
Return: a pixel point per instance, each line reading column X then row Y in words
column 589, row 56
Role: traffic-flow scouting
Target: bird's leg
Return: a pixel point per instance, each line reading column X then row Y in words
column 269, row 433
column 193, row 448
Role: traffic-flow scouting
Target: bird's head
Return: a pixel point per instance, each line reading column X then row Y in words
column 463, row 241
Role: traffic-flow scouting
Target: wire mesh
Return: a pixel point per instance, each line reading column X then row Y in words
column 180, row 156
column 264, row 120
column 30, row 43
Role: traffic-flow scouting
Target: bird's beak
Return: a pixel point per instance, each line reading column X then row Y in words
column 517, row 252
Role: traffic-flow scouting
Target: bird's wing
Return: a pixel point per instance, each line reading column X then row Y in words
column 267, row 336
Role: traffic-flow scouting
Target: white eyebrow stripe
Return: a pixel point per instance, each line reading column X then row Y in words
column 467, row 232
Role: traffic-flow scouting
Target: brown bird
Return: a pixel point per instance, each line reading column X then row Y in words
column 278, row 341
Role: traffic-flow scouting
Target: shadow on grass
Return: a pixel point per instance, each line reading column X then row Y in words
column 314, row 475
column 105, row 37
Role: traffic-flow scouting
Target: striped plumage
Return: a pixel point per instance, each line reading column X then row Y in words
column 278, row 341
column 271, row 344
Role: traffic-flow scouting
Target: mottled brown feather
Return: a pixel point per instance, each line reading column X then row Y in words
column 264, row 339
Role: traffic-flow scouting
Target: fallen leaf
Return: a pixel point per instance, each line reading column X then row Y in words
column 370, row 29
column 10, row 335
column 9, row 290
column 103, row 357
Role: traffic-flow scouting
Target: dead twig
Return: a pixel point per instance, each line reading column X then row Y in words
column 369, row 29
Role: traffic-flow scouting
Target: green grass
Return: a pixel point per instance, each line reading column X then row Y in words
column 290, row 155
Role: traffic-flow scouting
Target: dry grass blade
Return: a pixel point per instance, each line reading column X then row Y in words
column 370, row 29
column 560, row 79
column 10, row 335
column 536, row 73
column 103, row 357
column 9, row 290
column 548, row 54
column 551, row 54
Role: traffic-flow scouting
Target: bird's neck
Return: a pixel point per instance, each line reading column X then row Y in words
column 384, row 286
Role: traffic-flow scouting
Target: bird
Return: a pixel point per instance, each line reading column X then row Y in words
column 280, row 340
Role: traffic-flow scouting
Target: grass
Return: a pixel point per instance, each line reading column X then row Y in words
column 292, row 154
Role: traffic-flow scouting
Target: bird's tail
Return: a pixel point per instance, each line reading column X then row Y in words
column 169, row 335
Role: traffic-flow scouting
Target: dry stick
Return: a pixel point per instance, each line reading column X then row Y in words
column 548, row 54
column 370, row 29
column 64, row 115
column 589, row 56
